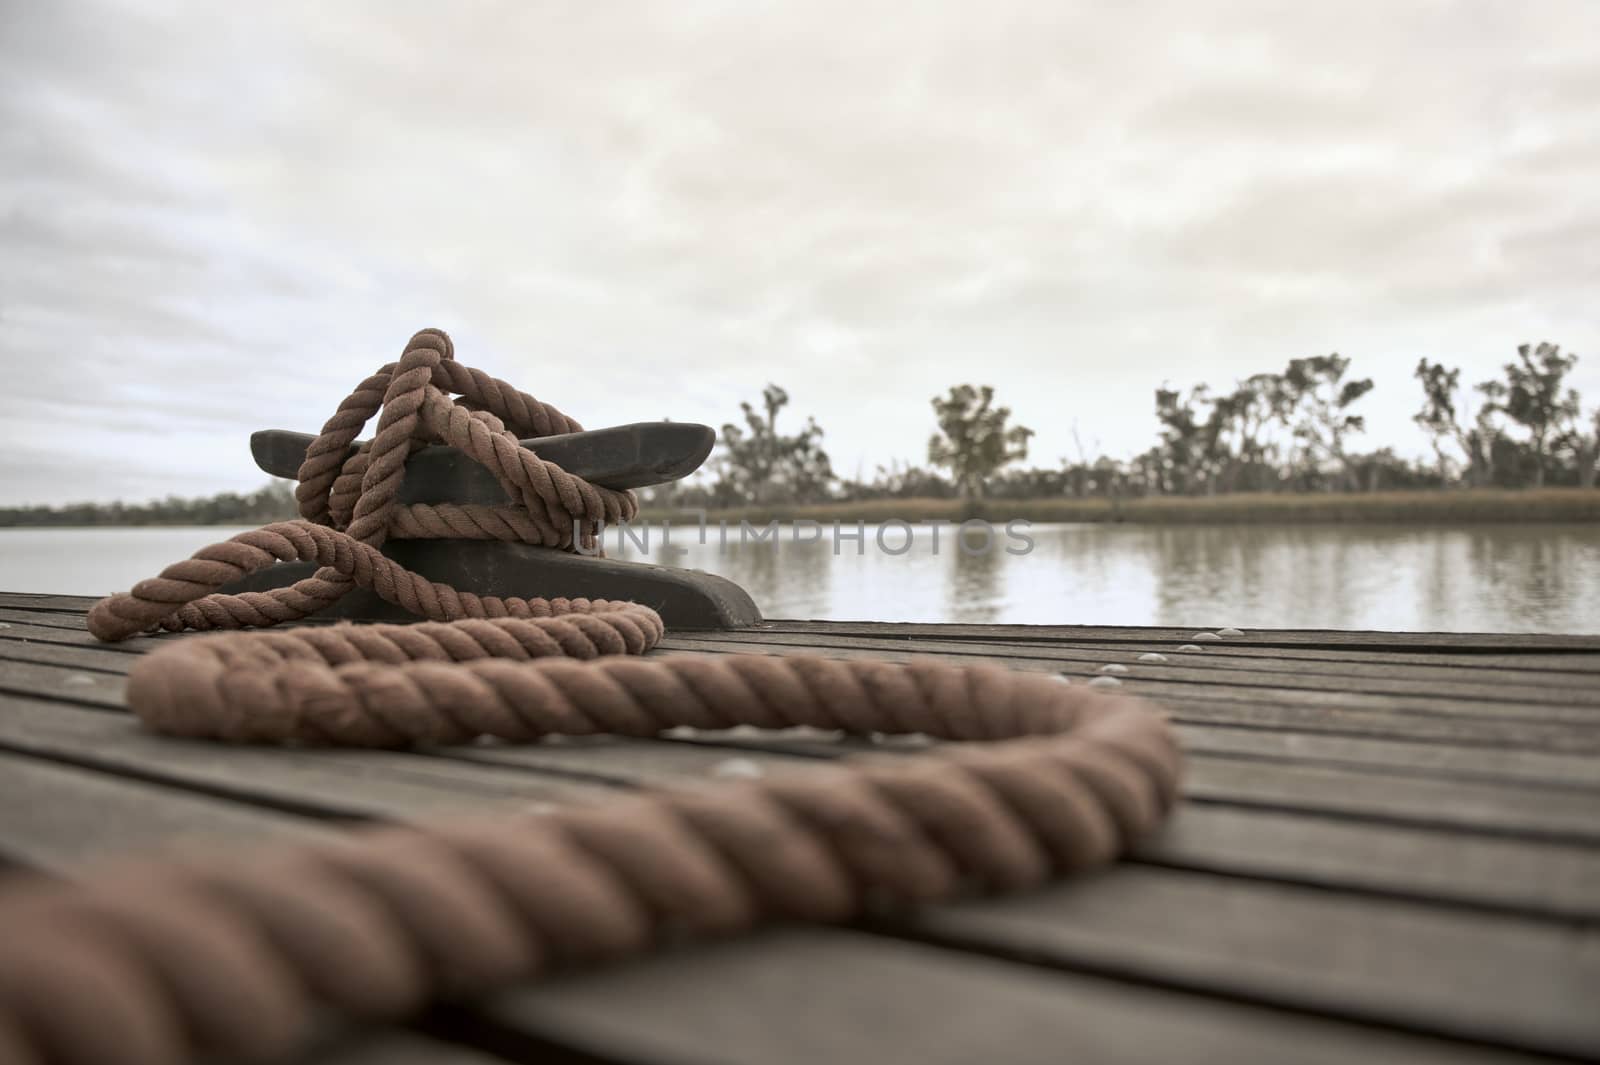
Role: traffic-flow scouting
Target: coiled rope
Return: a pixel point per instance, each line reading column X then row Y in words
column 175, row 961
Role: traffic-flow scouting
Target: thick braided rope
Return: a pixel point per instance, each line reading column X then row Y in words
column 239, row 958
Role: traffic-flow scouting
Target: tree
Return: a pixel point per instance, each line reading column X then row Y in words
column 1586, row 449
column 272, row 502
column 1502, row 455
column 760, row 465
column 1383, row 469
column 1441, row 420
column 1534, row 398
column 974, row 440
column 1192, row 436
column 1320, row 399
column 1249, row 411
column 1580, row 437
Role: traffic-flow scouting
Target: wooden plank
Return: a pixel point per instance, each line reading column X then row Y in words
column 1486, row 872
column 362, row 784
column 108, row 693
column 1495, row 764
column 580, row 764
column 62, row 626
column 1556, row 882
column 1470, row 975
column 1256, row 727
column 62, row 732
column 1520, row 702
column 1530, row 692
column 355, row 784
column 1400, row 858
column 1355, row 715
column 47, row 601
column 1200, row 685
column 1508, row 682
column 791, row 997
column 1383, row 724
column 91, row 659
column 1193, row 707
column 1313, row 657
column 1494, row 759
column 1191, row 697
column 650, row 763
column 74, row 635
column 54, row 816
column 1550, row 685
column 49, row 619
column 1304, row 641
column 1482, row 870
column 351, row 787
column 1332, row 638
column 67, row 684
column 1122, row 941
column 1462, row 806
column 1553, row 697
column 1577, row 720
column 587, row 1019
column 1503, row 765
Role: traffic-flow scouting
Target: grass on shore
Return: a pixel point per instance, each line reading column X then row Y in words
column 1420, row 507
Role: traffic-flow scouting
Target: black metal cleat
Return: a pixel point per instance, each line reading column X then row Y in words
column 624, row 456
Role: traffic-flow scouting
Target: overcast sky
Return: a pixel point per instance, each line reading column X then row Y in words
column 216, row 218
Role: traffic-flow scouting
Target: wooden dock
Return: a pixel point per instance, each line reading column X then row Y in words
column 1389, row 850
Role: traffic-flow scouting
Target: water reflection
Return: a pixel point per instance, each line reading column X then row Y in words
column 1516, row 578
column 974, row 584
column 1527, row 578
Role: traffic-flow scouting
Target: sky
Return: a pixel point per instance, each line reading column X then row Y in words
column 217, row 218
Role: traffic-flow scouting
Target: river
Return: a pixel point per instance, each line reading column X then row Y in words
column 1503, row 577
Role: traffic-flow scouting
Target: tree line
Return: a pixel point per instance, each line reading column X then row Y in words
column 271, row 502
column 1296, row 430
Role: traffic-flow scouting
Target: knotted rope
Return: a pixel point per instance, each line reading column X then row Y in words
column 348, row 508
column 169, row 962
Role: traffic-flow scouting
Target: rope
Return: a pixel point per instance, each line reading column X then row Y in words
column 170, row 962
column 348, row 509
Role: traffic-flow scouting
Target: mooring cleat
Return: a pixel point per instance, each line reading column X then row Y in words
column 624, row 456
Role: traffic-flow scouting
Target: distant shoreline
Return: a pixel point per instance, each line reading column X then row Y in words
column 5, row 527
column 1475, row 505
column 1416, row 507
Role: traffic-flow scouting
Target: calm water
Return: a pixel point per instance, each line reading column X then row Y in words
column 1517, row 578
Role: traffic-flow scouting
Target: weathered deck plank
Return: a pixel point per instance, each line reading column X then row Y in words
column 354, row 785
column 1469, row 806
column 1259, row 666
column 172, row 818
column 53, row 816
column 1402, row 752
column 1377, row 958
column 819, row 996
column 1353, row 690
column 1489, row 642
column 1356, row 874
column 1536, row 768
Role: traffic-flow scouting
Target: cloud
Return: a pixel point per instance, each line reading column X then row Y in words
column 211, row 222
